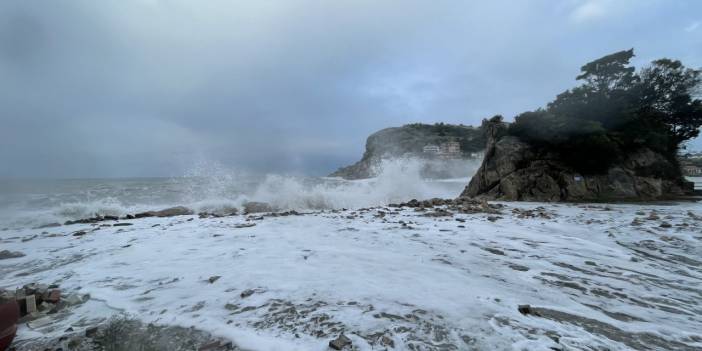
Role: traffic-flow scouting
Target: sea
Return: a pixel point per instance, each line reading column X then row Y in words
column 30, row 203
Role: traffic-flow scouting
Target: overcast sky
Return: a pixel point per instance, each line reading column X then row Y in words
column 153, row 87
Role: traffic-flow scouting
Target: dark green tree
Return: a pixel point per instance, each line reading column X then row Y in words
column 607, row 95
column 668, row 91
column 616, row 111
column 609, row 73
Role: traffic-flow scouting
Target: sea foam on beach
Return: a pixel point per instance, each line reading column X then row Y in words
column 615, row 277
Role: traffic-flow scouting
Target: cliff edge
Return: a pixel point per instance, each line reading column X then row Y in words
column 514, row 170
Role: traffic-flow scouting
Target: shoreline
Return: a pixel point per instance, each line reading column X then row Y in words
column 400, row 274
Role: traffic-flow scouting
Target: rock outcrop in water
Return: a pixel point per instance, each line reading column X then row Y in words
column 515, row 170
column 410, row 140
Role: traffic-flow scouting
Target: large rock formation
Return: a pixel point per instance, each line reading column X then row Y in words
column 409, row 140
column 515, row 170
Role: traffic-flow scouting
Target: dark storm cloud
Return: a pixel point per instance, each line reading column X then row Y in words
column 120, row 88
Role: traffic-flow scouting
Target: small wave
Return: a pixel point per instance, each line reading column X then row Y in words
column 104, row 207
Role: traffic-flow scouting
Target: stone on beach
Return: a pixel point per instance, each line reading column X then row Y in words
column 6, row 254
column 340, row 342
column 257, row 207
column 168, row 212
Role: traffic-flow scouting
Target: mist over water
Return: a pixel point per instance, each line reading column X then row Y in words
column 209, row 187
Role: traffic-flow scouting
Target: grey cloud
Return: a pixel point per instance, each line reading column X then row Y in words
column 132, row 88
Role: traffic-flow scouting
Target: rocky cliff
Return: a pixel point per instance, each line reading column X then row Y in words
column 409, row 140
column 515, row 170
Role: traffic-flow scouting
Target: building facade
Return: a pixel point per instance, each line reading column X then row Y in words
column 447, row 150
column 432, row 149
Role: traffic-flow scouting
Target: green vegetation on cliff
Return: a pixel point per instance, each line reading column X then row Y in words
column 617, row 111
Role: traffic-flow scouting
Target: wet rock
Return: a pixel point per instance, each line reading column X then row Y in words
column 122, row 224
column 493, row 218
column 214, row 278
column 35, row 288
column 494, row 251
column 118, row 334
column 225, row 212
column 518, row 267
column 6, row 254
column 79, row 233
column 438, row 213
column 50, row 225
column 246, row 293
column 257, row 207
column 28, row 317
column 30, row 238
column 168, row 212
column 527, row 310
column 215, row 345
column 91, row 220
column 410, row 203
column 459, row 205
column 245, row 225
column 74, row 299
column 340, row 342
column 387, row 341
column 284, row 214
column 539, row 212
column 665, row 225
column 142, row 215
column 91, row 332
column 633, row 340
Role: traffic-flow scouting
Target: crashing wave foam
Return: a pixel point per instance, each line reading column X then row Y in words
column 214, row 189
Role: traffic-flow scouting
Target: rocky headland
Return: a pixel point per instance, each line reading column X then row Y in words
column 515, row 170
column 409, row 140
column 615, row 137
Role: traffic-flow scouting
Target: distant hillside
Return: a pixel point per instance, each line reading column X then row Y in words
column 410, row 140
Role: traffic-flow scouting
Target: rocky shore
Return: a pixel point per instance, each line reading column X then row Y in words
column 436, row 274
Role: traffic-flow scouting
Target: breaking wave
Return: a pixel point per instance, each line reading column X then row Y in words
column 397, row 180
column 213, row 188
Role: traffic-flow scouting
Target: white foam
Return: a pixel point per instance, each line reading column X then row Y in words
column 436, row 267
column 397, row 180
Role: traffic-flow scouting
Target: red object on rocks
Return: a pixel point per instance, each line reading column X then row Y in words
column 9, row 314
column 54, row 296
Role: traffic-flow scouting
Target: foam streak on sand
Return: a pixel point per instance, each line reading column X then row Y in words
column 615, row 277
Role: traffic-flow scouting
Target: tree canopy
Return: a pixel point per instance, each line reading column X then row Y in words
column 617, row 110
